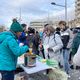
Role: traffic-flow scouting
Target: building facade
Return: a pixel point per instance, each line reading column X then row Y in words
column 77, row 12
column 2, row 28
column 39, row 25
column 72, row 23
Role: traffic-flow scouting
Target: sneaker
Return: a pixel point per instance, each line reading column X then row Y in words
column 77, row 67
column 72, row 67
column 69, row 76
column 61, row 66
column 79, row 78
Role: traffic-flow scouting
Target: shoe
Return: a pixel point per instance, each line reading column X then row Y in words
column 61, row 66
column 72, row 67
column 79, row 78
column 69, row 76
column 77, row 67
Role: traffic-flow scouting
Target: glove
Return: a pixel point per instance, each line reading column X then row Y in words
column 50, row 49
column 21, row 44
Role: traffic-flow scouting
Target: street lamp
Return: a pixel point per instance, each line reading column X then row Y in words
column 20, row 15
column 53, row 3
column 65, row 6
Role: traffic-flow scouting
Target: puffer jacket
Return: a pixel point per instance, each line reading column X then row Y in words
column 53, row 41
column 22, row 38
column 76, row 43
column 9, row 51
column 67, row 38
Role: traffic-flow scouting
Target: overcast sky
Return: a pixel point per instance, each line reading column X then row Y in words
column 30, row 9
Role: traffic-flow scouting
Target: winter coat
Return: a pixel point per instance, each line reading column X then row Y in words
column 76, row 43
column 9, row 51
column 53, row 41
column 67, row 38
column 22, row 38
column 34, row 39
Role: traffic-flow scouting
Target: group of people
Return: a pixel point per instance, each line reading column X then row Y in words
column 61, row 44
column 52, row 43
column 58, row 44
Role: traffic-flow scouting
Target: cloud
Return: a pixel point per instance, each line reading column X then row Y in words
column 60, row 15
column 30, row 10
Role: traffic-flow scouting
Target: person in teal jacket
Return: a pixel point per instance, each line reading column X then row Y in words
column 76, row 43
column 10, row 50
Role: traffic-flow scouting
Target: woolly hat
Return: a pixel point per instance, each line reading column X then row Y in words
column 16, row 27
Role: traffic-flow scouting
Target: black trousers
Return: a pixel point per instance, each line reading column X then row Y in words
column 7, row 75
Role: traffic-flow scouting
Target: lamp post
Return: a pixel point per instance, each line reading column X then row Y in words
column 20, row 14
column 65, row 6
column 66, row 10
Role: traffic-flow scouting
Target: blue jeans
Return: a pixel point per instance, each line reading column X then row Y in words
column 66, row 65
column 7, row 75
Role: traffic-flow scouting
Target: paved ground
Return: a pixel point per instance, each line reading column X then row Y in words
column 75, row 74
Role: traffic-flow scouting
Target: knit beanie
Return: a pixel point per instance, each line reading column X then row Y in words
column 15, row 26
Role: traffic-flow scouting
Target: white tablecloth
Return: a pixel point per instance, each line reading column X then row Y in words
column 39, row 66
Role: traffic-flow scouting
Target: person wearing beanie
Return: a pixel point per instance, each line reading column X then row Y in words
column 10, row 50
column 16, row 27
